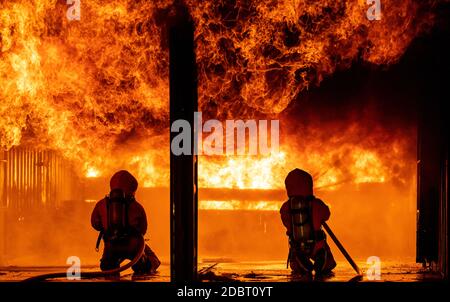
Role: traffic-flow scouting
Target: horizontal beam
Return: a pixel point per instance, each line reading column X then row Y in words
column 218, row 194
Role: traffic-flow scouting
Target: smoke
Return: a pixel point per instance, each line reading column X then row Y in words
column 258, row 56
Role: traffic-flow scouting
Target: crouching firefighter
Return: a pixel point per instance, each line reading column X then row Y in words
column 303, row 215
column 122, row 223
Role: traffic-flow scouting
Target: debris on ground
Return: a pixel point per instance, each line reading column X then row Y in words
column 213, row 277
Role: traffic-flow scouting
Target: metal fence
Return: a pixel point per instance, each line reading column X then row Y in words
column 34, row 178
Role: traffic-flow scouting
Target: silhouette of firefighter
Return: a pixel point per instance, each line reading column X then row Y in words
column 303, row 215
column 122, row 223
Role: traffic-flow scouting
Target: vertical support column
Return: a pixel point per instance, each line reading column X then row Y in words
column 432, row 190
column 428, row 186
column 183, row 168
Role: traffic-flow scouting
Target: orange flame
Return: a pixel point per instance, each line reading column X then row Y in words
column 96, row 90
column 239, row 205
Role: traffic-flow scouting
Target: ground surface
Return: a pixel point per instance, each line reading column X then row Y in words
column 244, row 271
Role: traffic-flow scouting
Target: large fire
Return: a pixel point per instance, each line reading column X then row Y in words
column 96, row 90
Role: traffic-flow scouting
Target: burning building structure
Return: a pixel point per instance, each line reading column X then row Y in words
column 83, row 98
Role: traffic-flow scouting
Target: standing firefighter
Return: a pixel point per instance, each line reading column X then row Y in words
column 123, row 223
column 303, row 215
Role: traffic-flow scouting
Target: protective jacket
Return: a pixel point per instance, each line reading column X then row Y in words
column 303, row 216
column 121, row 220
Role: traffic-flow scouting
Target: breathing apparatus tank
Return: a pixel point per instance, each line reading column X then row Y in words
column 303, row 235
column 117, row 204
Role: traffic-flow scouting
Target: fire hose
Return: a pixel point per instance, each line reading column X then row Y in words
column 343, row 251
column 90, row 275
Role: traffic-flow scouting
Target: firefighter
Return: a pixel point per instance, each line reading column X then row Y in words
column 303, row 215
column 121, row 221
